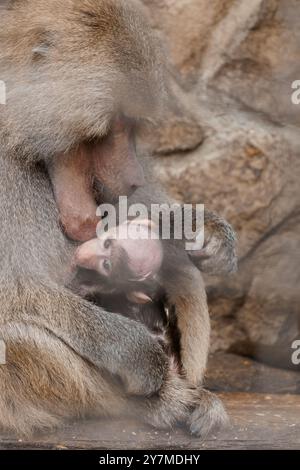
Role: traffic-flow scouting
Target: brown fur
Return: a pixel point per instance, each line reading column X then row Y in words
column 69, row 67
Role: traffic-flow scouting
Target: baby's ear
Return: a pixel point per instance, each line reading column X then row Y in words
column 139, row 298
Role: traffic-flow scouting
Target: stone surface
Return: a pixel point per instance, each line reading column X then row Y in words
column 233, row 373
column 257, row 422
column 230, row 139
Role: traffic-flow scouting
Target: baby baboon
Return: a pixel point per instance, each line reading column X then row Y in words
column 123, row 271
column 126, row 270
column 120, row 272
column 78, row 73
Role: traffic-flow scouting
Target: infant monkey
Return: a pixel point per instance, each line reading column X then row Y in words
column 123, row 270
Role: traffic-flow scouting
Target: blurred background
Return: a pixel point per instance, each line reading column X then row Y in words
column 230, row 139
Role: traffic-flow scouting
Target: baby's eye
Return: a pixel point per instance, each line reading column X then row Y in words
column 107, row 243
column 107, row 266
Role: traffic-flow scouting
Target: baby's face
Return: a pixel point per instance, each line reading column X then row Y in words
column 132, row 249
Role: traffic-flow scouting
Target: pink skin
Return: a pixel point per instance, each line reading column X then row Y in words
column 112, row 162
column 145, row 254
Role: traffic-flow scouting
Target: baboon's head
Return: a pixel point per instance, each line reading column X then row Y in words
column 79, row 74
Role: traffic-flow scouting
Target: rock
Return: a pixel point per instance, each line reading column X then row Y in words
column 230, row 139
column 232, row 373
column 178, row 136
column 269, row 56
column 187, row 26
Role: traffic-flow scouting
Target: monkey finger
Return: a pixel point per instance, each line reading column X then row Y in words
column 210, row 415
column 216, row 257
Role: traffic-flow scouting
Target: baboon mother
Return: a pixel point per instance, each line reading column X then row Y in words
column 71, row 69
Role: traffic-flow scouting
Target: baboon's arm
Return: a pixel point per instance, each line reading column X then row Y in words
column 218, row 255
column 111, row 342
column 186, row 291
column 219, row 252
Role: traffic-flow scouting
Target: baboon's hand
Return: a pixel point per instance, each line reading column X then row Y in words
column 218, row 255
column 146, row 364
column 208, row 416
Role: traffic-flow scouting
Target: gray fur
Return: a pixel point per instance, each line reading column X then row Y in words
column 64, row 355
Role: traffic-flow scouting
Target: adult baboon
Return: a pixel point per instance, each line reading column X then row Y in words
column 72, row 70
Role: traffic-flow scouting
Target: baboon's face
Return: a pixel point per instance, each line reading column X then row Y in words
column 79, row 75
column 70, row 66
